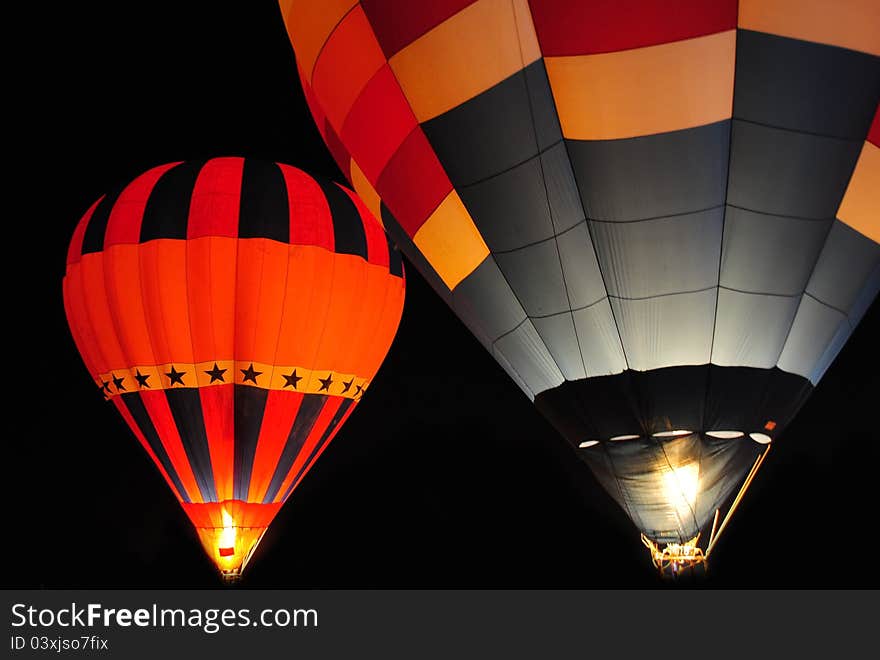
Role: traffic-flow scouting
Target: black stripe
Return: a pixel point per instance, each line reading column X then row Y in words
column 325, row 438
column 395, row 260
column 264, row 210
column 93, row 239
column 348, row 228
column 249, row 406
column 167, row 211
column 186, row 408
column 306, row 416
column 139, row 413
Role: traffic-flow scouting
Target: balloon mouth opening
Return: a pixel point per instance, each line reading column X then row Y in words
column 677, row 559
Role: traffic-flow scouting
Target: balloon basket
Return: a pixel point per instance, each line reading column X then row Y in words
column 677, row 559
column 231, row 578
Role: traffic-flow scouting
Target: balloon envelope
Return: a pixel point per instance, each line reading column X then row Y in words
column 657, row 216
column 234, row 312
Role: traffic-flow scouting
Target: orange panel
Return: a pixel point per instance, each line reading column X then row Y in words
column 465, row 55
column 100, row 318
column 310, row 270
column 345, row 296
column 80, row 326
column 309, row 24
column 645, row 91
column 860, row 208
column 122, row 277
column 210, row 281
column 853, row 24
column 278, row 417
column 348, row 61
column 162, row 263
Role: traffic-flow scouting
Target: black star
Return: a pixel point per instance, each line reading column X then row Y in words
column 216, row 374
column 117, row 382
column 326, row 382
column 347, row 386
column 249, row 374
column 292, row 379
column 360, row 390
column 175, row 376
column 105, row 385
column 141, row 378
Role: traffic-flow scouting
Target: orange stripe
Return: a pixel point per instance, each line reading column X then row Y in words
column 162, row 269
column 309, row 24
column 645, row 91
column 853, row 24
column 210, row 281
column 860, row 207
column 160, row 414
column 122, row 275
column 318, row 429
column 261, row 284
column 278, row 417
column 100, row 318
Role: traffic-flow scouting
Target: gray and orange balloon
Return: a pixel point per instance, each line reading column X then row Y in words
column 661, row 217
column 234, row 312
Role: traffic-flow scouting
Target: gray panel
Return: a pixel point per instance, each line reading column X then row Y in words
column 654, row 257
column 844, row 330
column 786, row 173
column 751, row 329
column 805, row 86
column 599, row 340
column 666, row 331
column 484, row 300
column 511, row 209
column 844, row 266
column 489, row 133
column 526, row 354
column 562, row 191
column 535, row 275
column 545, row 119
column 812, row 332
column 559, row 336
column 582, row 275
column 769, row 253
column 646, row 177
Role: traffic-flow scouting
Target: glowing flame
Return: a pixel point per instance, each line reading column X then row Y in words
column 227, row 536
column 680, row 487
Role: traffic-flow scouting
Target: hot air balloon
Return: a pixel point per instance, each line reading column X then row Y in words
column 234, row 312
column 660, row 217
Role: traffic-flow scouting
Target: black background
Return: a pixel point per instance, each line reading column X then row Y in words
column 445, row 477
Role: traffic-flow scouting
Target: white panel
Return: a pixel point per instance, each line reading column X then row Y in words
column 599, row 340
column 526, row 354
column 559, row 336
column 750, row 329
column 656, row 257
column 582, row 275
column 666, row 331
column 813, row 331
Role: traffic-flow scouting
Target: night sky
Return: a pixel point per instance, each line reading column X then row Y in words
column 445, row 476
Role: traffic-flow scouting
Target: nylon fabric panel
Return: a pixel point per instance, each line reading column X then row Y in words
column 93, row 236
column 124, row 223
column 309, row 24
column 348, row 228
column 815, row 326
column 339, row 416
column 306, row 415
column 122, row 279
column 264, row 209
column 166, row 213
column 494, row 130
column 484, row 300
column 559, row 336
column 376, row 246
column 860, row 208
column 648, row 177
column 526, row 353
column 583, row 279
column 753, row 244
column 215, row 203
column 535, row 276
column 601, row 26
column 397, row 24
column 310, row 221
column 804, row 86
column 211, row 298
column 74, row 251
column 186, row 409
column 138, row 419
column 159, row 413
column 320, row 425
column 675, row 329
column 662, row 256
column 468, row 53
column 249, row 404
column 278, row 419
column 786, row 173
column 98, row 315
column 218, row 404
column 751, row 328
column 843, row 269
column 599, row 339
column 166, row 302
